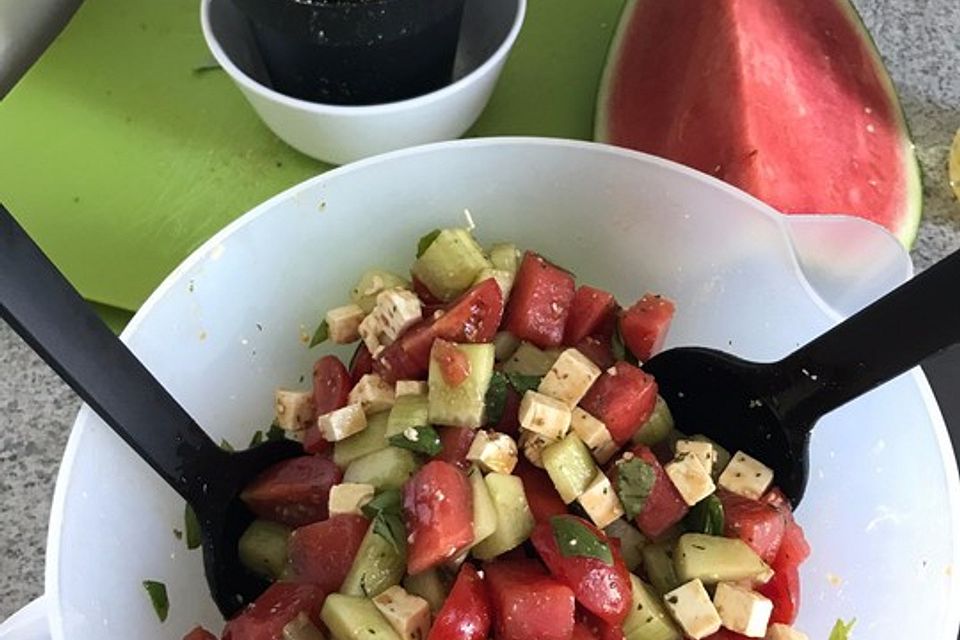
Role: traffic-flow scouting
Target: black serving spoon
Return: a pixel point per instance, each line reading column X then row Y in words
column 769, row 409
column 49, row 314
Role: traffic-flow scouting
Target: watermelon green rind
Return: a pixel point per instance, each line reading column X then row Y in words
column 903, row 220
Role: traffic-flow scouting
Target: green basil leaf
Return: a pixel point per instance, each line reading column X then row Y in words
column 389, row 526
column 158, row 597
column 226, row 446
column 422, row 439
column 523, row 383
column 496, row 398
column 635, row 479
column 706, row 517
column 574, row 538
column 387, row 501
column 842, row 630
column 424, row 243
column 275, row 433
column 191, row 527
column 320, row 335
column 256, row 439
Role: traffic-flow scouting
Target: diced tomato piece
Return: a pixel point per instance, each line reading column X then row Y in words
column 427, row 298
column 473, row 317
column 622, row 399
column 454, row 364
column 466, row 613
column 199, row 633
column 510, row 421
column 759, row 524
column 784, row 591
column 599, row 350
column 589, row 311
column 644, row 325
column 455, row 442
column 539, row 302
column 602, row 589
column 323, row 552
column 360, row 364
column 664, row 506
column 294, row 491
column 266, row 617
column 438, row 510
column 331, row 384
column 597, row 628
column 314, row 442
column 541, row 494
column 528, row 604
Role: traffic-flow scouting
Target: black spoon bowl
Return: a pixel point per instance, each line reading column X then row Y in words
column 48, row 313
column 769, row 409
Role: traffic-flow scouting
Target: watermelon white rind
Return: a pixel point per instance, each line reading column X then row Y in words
column 787, row 100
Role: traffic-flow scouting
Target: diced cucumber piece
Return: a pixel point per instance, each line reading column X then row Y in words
column 503, row 278
column 714, row 559
column 570, row 466
column 430, row 586
column 659, row 567
column 373, row 438
column 657, row 427
column 355, row 618
column 648, row 619
column 484, row 511
column 450, row 264
column 385, row 469
column 462, row 405
column 407, row 411
column 263, row 548
column 632, row 542
column 371, row 283
column 504, row 345
column 378, row 564
column 504, row 255
column 723, row 456
column 529, row 360
column 514, row 518
column 302, row 628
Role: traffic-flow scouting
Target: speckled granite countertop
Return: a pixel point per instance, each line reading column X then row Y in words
column 919, row 40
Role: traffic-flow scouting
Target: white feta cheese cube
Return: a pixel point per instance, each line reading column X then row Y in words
column 493, row 451
column 349, row 498
column 778, row 631
column 344, row 323
column 544, row 415
column 690, row 478
column 395, row 312
column 705, row 452
column 373, row 394
column 690, row 606
column 533, row 445
column 746, row 476
column 409, row 615
column 294, row 409
column 342, row 423
column 741, row 610
column 411, row 388
column 594, row 434
column 600, row 501
column 570, row 377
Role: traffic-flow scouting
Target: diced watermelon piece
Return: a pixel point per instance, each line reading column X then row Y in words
column 590, row 310
column 360, row 364
column 622, row 398
column 784, row 591
column 541, row 493
column 293, row 492
column 664, row 506
column 759, row 524
column 528, row 604
column 466, row 613
column 438, row 510
column 644, row 325
column 323, row 552
column 455, row 442
column 266, row 617
column 599, row 350
column 539, row 302
column 199, row 633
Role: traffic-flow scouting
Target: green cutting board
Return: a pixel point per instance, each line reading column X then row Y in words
column 120, row 156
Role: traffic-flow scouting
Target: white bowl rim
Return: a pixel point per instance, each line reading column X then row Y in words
column 948, row 459
column 252, row 85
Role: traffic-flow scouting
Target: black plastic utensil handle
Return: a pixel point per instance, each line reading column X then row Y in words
column 885, row 339
column 49, row 314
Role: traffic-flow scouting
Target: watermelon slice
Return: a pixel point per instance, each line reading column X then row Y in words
column 788, row 100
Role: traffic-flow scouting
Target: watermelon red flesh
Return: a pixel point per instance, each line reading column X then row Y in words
column 788, row 101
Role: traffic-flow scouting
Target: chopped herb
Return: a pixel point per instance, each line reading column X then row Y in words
column 389, row 526
column 191, row 527
column 523, row 383
column 275, row 433
column 256, row 439
column 496, row 398
column 388, row 501
column 158, row 598
column 320, row 335
column 424, row 243
column 635, row 479
column 178, row 534
column 226, row 446
column 842, row 630
column 673, row 599
column 423, row 439
column 574, row 538
column 706, row 517
column 203, row 67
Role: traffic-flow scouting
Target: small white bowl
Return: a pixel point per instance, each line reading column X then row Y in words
column 340, row 134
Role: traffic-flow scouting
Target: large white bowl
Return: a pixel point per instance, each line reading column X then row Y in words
column 881, row 511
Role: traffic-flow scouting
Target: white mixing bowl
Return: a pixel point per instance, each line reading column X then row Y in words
column 881, row 511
